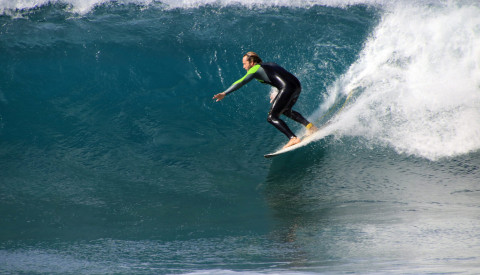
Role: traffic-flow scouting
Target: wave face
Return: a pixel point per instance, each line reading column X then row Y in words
column 115, row 159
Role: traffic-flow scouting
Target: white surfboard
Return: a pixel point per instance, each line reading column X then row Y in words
column 321, row 133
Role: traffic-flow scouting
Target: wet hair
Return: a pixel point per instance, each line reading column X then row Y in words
column 253, row 57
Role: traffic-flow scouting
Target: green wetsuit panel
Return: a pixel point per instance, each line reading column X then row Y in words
column 256, row 72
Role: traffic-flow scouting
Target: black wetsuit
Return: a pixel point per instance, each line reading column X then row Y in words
column 289, row 89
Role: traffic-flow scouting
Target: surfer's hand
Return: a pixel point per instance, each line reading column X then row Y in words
column 219, row 96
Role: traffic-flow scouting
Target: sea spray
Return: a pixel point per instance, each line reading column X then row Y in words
column 418, row 82
column 84, row 6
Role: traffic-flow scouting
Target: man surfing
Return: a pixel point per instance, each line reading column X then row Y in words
column 289, row 89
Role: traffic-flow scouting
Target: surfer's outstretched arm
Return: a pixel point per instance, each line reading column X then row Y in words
column 239, row 83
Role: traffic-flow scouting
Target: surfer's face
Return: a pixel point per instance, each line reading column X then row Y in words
column 246, row 64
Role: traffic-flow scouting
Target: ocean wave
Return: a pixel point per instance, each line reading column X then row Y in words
column 419, row 82
column 85, row 6
column 10, row 7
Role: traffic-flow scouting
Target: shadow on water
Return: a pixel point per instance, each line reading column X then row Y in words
column 284, row 185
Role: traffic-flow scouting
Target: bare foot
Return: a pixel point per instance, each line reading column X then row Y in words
column 311, row 130
column 292, row 141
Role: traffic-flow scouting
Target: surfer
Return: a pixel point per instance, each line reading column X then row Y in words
column 289, row 89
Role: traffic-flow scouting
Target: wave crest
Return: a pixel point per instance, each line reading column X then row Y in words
column 419, row 76
column 85, row 6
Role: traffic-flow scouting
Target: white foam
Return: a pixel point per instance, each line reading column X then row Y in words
column 268, row 3
column 76, row 6
column 420, row 79
column 85, row 6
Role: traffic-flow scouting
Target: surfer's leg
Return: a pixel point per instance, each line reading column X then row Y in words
column 282, row 127
column 288, row 112
column 278, row 106
column 296, row 116
column 274, row 119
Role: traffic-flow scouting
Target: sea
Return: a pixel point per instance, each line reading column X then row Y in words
column 115, row 159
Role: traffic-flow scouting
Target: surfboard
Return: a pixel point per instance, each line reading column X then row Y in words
column 318, row 135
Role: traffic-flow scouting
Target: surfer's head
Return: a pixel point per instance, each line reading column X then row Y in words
column 250, row 59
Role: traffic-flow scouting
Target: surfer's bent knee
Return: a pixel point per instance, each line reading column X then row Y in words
column 271, row 119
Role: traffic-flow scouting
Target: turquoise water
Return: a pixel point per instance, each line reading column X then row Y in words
column 114, row 158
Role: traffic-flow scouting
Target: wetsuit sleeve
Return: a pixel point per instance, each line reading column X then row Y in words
column 244, row 80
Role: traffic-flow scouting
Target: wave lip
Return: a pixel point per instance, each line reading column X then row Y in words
column 85, row 6
column 75, row 6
